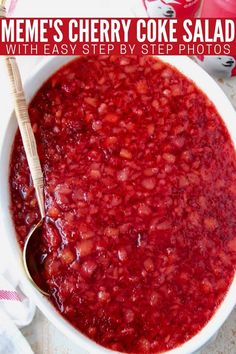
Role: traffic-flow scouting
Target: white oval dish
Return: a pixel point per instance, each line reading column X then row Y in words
column 38, row 77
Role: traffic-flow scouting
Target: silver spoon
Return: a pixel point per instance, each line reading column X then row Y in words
column 29, row 143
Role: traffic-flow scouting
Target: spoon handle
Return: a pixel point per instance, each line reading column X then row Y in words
column 22, row 115
column 27, row 135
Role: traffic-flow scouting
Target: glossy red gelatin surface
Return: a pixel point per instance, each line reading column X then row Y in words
column 138, row 246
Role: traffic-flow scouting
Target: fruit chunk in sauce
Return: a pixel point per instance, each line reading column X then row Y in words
column 138, row 247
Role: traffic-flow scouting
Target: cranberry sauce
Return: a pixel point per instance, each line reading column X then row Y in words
column 138, row 247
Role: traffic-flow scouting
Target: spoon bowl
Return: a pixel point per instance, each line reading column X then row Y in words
column 30, row 257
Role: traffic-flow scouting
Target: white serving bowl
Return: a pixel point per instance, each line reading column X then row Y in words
column 38, row 77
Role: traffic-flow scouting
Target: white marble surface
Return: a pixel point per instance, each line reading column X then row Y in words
column 42, row 335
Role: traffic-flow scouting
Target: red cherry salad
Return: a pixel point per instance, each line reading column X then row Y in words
column 139, row 243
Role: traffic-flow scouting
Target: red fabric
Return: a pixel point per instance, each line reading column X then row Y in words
column 218, row 9
column 234, row 70
column 200, row 57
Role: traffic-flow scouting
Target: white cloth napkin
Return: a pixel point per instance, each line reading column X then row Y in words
column 11, row 339
column 16, row 311
column 13, row 302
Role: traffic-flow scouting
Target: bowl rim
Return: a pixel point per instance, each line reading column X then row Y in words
column 38, row 76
